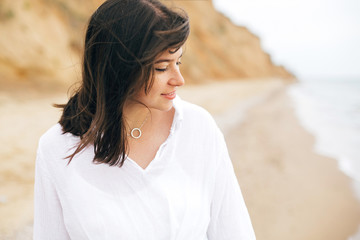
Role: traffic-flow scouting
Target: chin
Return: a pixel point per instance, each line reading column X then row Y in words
column 164, row 107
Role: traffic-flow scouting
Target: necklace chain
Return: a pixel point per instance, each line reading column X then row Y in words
column 138, row 129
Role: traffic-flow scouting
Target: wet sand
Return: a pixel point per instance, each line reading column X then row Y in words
column 291, row 192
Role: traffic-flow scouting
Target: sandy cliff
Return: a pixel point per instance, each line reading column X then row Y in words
column 41, row 40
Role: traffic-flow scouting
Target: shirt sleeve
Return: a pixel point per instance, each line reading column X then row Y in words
column 229, row 218
column 48, row 217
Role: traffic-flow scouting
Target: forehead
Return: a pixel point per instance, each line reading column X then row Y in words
column 171, row 53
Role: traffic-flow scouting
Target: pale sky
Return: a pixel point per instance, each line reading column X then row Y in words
column 311, row 38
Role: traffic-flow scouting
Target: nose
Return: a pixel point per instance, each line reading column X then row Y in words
column 176, row 78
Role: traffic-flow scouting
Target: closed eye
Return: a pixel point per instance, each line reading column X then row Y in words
column 166, row 68
column 161, row 69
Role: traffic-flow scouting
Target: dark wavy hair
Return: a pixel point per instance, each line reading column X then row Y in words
column 122, row 41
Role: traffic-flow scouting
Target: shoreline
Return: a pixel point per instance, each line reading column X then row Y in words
column 290, row 191
column 308, row 194
column 328, row 141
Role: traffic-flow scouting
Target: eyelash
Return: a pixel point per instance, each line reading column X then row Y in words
column 164, row 69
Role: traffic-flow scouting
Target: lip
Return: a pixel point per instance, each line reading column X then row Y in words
column 170, row 95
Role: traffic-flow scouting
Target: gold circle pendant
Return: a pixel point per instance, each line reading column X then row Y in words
column 135, row 130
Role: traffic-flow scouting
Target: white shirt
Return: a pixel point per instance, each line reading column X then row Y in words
column 188, row 192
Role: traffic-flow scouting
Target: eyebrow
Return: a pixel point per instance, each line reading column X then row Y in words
column 166, row 60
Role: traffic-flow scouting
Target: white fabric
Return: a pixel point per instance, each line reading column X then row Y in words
column 188, row 192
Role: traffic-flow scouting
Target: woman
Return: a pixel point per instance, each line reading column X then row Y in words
column 128, row 158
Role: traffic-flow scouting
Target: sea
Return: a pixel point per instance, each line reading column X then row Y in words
column 329, row 108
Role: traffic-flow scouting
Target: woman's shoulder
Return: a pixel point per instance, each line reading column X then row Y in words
column 195, row 112
column 53, row 147
column 55, row 138
column 198, row 118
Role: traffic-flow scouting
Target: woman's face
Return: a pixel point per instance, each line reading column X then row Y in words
column 166, row 80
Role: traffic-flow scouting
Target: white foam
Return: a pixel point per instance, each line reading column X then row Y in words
column 356, row 236
column 330, row 110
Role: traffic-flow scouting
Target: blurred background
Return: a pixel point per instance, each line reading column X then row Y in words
column 281, row 78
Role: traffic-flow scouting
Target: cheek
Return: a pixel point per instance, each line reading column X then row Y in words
column 156, row 87
column 155, row 91
column 150, row 96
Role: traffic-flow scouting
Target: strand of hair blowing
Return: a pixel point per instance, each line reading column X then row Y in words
column 123, row 39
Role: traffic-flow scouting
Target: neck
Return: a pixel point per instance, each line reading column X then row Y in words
column 135, row 114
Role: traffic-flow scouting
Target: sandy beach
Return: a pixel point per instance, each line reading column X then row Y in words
column 291, row 192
